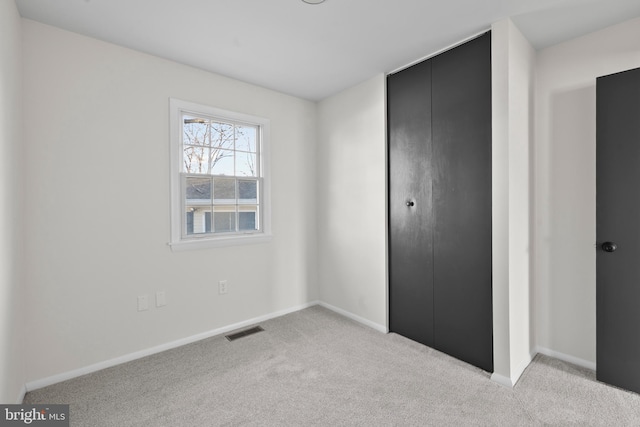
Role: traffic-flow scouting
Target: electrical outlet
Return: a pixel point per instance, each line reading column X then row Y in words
column 143, row 302
column 222, row 287
column 161, row 299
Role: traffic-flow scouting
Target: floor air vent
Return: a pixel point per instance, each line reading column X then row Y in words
column 246, row 332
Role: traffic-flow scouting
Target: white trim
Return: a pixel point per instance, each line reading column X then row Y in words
column 219, row 242
column 21, row 394
column 44, row 382
column 515, row 375
column 566, row 358
column 438, row 52
column 502, row 380
column 176, row 242
column 366, row 322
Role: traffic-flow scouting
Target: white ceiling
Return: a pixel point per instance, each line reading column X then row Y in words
column 313, row 51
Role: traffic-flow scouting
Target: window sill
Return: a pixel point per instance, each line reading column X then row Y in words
column 219, row 242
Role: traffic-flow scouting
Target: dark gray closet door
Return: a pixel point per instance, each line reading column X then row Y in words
column 618, row 229
column 439, row 124
column 410, row 209
column 461, row 118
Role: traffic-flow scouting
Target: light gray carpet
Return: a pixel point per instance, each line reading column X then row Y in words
column 315, row 367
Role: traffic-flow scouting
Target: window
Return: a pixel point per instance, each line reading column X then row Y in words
column 219, row 185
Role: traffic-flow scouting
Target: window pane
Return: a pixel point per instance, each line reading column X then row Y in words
column 248, row 190
column 196, row 159
column 246, row 137
column 247, row 218
column 224, row 191
column 195, row 130
column 198, row 221
column 198, row 191
column 224, row 219
column 222, row 161
column 222, row 136
column 246, row 164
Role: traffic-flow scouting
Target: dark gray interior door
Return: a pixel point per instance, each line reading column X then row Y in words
column 462, row 202
column 410, row 207
column 618, row 229
column 439, row 135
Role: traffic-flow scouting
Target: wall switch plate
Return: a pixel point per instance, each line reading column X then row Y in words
column 143, row 302
column 161, row 299
column 222, row 287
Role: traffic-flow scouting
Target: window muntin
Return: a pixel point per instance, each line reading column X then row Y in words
column 220, row 180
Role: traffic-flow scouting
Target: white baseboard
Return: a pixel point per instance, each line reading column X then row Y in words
column 366, row 322
column 566, row 358
column 502, row 380
column 20, row 398
column 44, row 382
column 515, row 375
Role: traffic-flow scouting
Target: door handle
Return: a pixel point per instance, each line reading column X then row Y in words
column 609, row 247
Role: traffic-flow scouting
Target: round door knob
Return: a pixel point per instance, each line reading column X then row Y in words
column 410, row 203
column 609, row 247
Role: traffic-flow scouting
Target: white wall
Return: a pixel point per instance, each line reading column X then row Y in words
column 521, row 104
column 352, row 201
column 97, row 208
column 564, row 254
column 513, row 61
column 12, row 369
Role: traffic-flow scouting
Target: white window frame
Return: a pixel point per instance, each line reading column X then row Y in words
column 177, row 241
